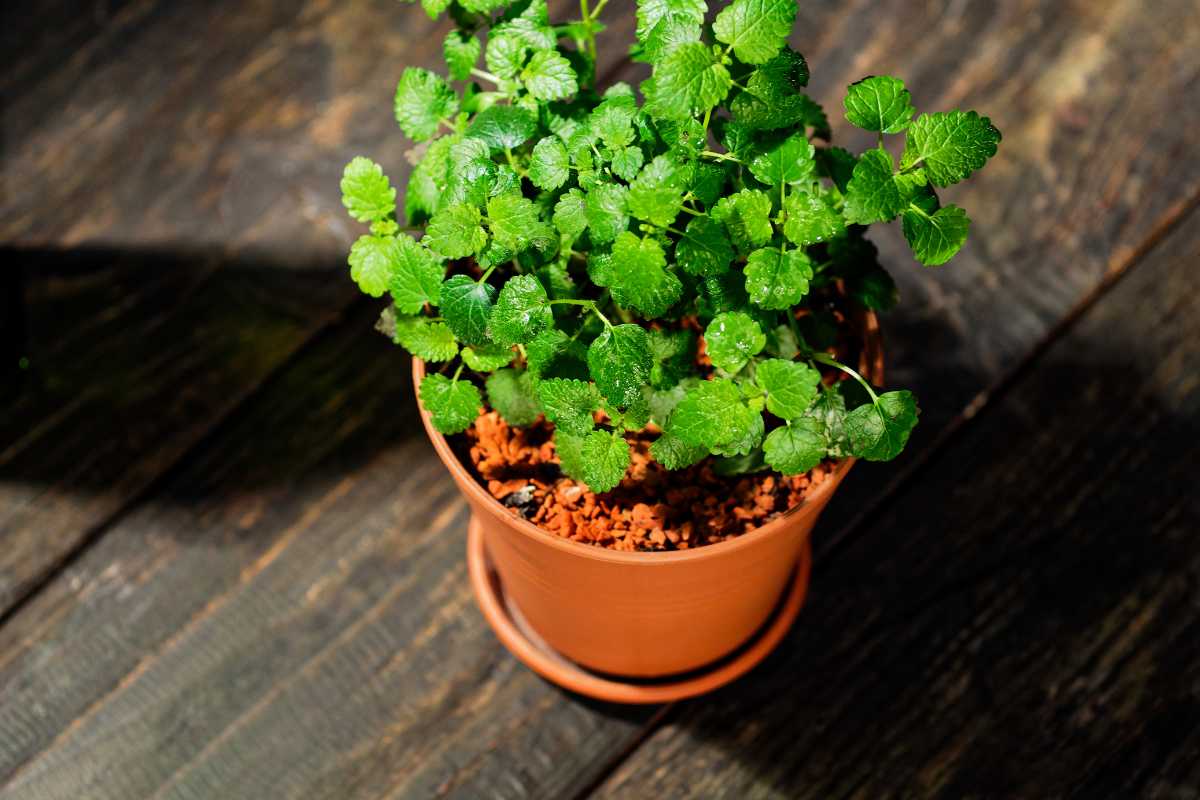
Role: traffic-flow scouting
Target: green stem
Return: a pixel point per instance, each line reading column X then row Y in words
column 487, row 76
column 916, row 165
column 692, row 211
column 457, row 372
column 720, row 156
column 829, row 360
column 588, row 304
column 487, row 274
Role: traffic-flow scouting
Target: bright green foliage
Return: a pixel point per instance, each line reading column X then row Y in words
column 733, row 338
column 366, row 192
column 423, row 100
column 879, row 430
column 452, row 404
column 950, row 146
column 563, row 244
column 510, row 391
column 879, row 103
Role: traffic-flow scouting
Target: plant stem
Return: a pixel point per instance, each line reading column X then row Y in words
column 590, row 305
column 487, row 76
column 829, row 360
column 457, row 372
column 486, row 274
column 720, row 156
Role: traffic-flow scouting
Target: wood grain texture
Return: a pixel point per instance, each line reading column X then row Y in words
column 1025, row 622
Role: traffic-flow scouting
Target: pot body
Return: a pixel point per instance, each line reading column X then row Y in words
column 643, row 614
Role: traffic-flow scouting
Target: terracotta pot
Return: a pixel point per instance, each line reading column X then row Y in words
column 645, row 615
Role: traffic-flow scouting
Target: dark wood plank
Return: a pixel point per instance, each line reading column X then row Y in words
column 1023, row 622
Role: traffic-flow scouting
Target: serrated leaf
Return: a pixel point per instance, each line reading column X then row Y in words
column 461, row 51
column 416, row 277
column 732, row 339
column 521, row 312
column 607, row 212
column 570, row 213
column 776, row 280
column 487, row 357
column 651, row 12
column 472, row 174
column 466, row 307
column 688, row 81
column 452, row 405
column 570, row 454
column 773, row 98
column 515, row 222
column 747, row 217
column 707, row 182
column 829, row 410
column 796, row 447
column 510, row 391
column 935, row 238
column 787, row 162
column 811, row 218
column 612, row 121
column 669, row 33
column 505, row 54
column 503, row 127
column 366, row 192
column 605, row 457
column 656, row 195
column 639, row 278
column 837, row 164
column 552, row 354
column 626, row 162
column 878, row 431
column 569, row 404
column 874, row 193
column 619, row 362
column 755, row 29
column 549, row 76
column 422, row 101
column 432, row 341
column 435, row 7
column 950, row 145
column 704, row 248
column 879, row 103
column 549, row 167
column 428, row 181
column 372, row 261
column 456, row 232
column 790, row 386
column 711, row 414
column 750, row 439
column 674, row 354
column 674, row 453
column 483, row 6
column 725, row 292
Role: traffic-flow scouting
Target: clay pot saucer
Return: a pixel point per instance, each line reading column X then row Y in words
column 522, row 641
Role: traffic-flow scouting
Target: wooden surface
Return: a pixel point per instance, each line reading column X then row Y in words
column 231, row 567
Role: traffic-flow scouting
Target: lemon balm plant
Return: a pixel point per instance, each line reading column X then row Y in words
column 581, row 242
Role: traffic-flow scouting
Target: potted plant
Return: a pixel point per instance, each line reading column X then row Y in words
column 645, row 319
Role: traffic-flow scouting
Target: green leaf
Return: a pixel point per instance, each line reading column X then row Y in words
column 570, row 213
column 521, row 313
column 878, row 431
column 482, row 6
column 671, row 32
column 708, row 180
column 432, row 341
column 605, row 456
column 515, row 222
column 548, row 167
column 510, row 392
column 366, row 192
column 725, row 292
column 879, row 103
column 674, row 453
column 790, row 386
column 619, row 362
column 732, row 339
column 651, row 12
column 372, row 261
column 747, row 216
column 435, row 7
column 552, row 354
column 505, row 54
column 503, row 127
column 711, row 414
column 688, row 81
column 626, row 162
column 811, row 218
column 452, row 405
column 795, row 448
column 776, row 280
column 570, row 454
column 487, row 357
column 607, row 212
column 755, row 29
column 773, row 99
column 674, row 354
column 829, row 410
column 461, row 50
column 422, row 101
column 466, row 307
column 639, row 278
column 456, row 231
column 951, row 145
column 704, row 248
column 428, row 181
column 874, row 193
column 569, row 404
column 935, row 238
column 416, row 276
column 789, row 161
column 749, row 440
column 612, row 121
column 657, row 194
column 837, row 164
column 549, row 76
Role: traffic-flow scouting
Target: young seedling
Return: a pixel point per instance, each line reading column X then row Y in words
column 573, row 239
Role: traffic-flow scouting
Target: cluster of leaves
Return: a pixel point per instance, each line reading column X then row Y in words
column 574, row 241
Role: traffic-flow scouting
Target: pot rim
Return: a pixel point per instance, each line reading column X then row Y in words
column 871, row 364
